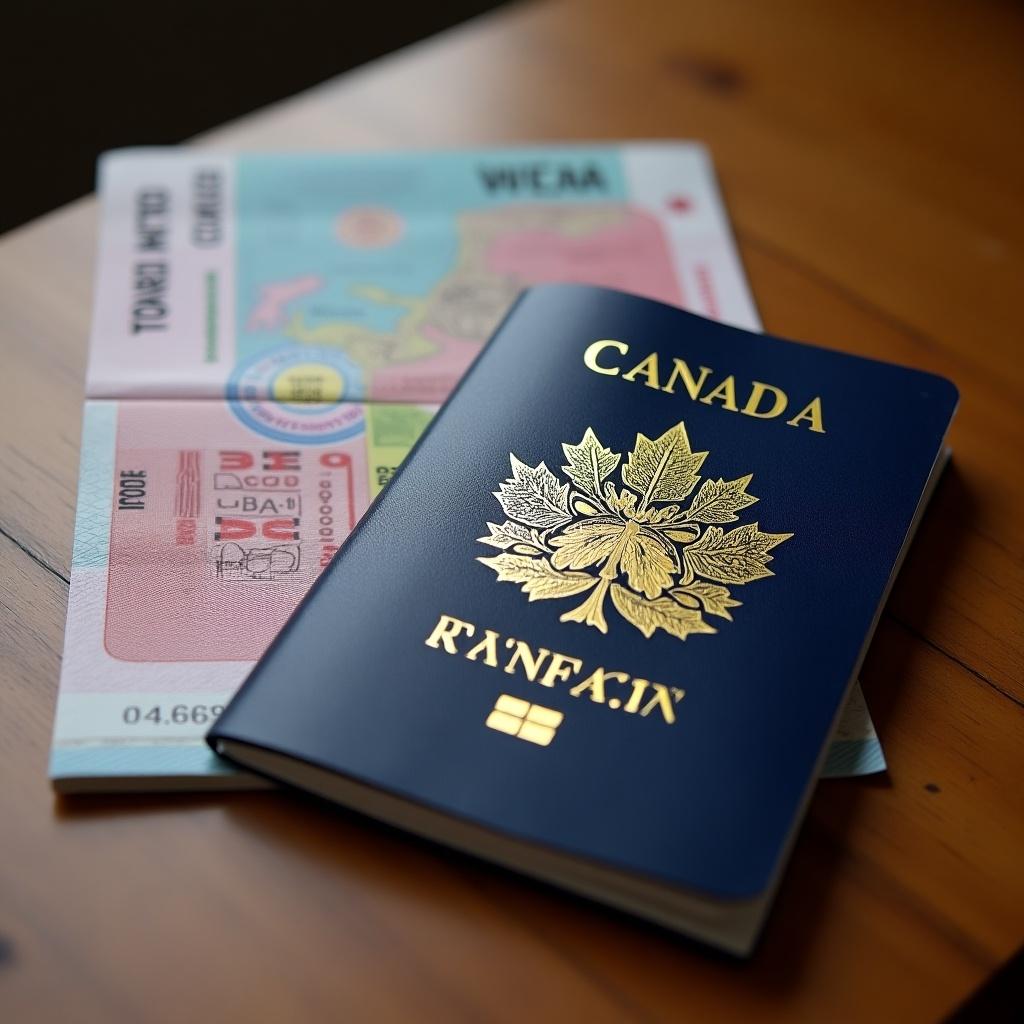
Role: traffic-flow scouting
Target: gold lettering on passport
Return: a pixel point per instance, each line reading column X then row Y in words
column 613, row 689
column 652, row 543
column 760, row 400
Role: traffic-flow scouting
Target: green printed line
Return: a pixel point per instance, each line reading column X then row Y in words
column 211, row 317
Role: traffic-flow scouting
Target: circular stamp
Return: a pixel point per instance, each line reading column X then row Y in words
column 294, row 393
column 369, row 227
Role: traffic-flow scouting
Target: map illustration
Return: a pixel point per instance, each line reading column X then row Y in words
column 411, row 340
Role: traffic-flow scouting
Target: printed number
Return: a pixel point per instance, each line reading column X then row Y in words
column 175, row 714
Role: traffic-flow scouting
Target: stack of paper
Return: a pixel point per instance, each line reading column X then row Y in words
column 271, row 335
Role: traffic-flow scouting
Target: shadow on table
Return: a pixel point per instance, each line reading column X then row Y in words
column 325, row 854
column 917, row 593
column 324, row 850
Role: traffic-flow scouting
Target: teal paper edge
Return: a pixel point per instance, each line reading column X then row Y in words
column 845, row 758
column 95, row 485
column 115, row 762
column 853, row 757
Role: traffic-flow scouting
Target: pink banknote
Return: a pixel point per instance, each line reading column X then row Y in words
column 216, row 531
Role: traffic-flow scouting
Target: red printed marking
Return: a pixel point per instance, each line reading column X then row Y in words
column 186, row 496
column 236, row 460
column 184, row 532
column 705, row 286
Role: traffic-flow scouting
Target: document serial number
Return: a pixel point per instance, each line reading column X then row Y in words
column 170, row 714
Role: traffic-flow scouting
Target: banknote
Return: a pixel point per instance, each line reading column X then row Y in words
column 378, row 277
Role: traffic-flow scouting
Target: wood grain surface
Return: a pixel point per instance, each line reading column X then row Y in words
column 871, row 158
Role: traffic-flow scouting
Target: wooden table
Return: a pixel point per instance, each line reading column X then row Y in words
column 872, row 161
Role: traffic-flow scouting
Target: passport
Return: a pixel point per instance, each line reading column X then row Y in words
column 600, row 625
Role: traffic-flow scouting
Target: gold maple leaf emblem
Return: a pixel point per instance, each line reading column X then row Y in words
column 665, row 566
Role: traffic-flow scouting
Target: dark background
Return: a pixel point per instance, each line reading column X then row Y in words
column 79, row 78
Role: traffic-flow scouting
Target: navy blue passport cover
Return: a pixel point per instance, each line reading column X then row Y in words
column 689, row 647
